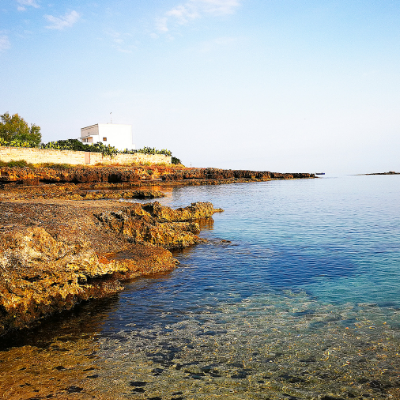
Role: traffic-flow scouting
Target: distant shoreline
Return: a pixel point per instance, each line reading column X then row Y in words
column 385, row 173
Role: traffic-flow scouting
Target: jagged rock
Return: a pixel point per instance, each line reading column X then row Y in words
column 124, row 194
column 56, row 254
column 157, row 224
column 70, row 191
column 135, row 174
column 77, row 174
column 40, row 275
column 214, row 174
column 194, row 211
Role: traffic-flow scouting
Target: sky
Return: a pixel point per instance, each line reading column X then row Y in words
column 276, row 85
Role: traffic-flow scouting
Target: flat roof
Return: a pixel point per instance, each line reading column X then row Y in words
column 91, row 126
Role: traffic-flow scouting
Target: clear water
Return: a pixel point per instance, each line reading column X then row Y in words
column 304, row 302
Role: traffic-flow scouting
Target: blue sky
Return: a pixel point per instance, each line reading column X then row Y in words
column 281, row 85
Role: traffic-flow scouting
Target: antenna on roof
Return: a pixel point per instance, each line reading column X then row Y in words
column 111, row 117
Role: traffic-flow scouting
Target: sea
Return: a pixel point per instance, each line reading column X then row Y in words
column 295, row 295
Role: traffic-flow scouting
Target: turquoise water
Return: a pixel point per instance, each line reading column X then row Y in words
column 303, row 302
column 336, row 239
column 296, row 295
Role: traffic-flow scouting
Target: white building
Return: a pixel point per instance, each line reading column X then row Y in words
column 116, row 135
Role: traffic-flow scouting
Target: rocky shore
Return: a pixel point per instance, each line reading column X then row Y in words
column 135, row 176
column 54, row 255
column 60, row 245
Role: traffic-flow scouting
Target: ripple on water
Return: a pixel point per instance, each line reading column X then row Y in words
column 275, row 344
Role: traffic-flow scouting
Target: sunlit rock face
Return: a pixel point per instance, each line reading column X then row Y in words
column 135, row 174
column 72, row 174
column 55, row 256
column 215, row 174
column 40, row 275
column 158, row 225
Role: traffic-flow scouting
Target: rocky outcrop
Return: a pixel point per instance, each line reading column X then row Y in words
column 121, row 194
column 72, row 174
column 134, row 174
column 56, row 255
column 193, row 212
column 40, row 275
column 71, row 191
column 223, row 175
column 158, row 225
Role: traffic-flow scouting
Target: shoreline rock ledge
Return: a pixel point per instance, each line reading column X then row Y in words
column 54, row 255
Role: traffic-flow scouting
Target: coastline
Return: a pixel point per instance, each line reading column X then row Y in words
column 384, row 173
column 65, row 239
column 182, row 332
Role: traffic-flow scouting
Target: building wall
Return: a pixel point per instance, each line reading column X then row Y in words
column 90, row 130
column 116, row 135
column 39, row 156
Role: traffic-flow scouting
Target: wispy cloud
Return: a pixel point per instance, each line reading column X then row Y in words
column 22, row 4
column 194, row 9
column 62, row 22
column 120, row 41
column 4, row 43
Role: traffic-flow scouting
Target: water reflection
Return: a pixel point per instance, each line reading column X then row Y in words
column 84, row 321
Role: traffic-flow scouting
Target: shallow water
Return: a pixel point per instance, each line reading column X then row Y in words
column 304, row 302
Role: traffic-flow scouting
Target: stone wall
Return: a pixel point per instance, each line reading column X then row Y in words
column 39, row 156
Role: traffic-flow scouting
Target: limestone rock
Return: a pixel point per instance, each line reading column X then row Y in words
column 157, row 224
column 54, row 255
column 40, row 275
column 193, row 212
column 137, row 174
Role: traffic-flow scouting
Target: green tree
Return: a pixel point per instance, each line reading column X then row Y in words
column 15, row 128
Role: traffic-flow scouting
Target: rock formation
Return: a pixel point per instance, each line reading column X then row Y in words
column 40, row 275
column 55, row 253
column 158, row 225
column 134, row 174
column 51, row 263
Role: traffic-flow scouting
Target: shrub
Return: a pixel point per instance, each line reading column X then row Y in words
column 151, row 151
column 175, row 160
column 16, row 164
column 77, row 145
column 16, row 143
column 55, row 166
